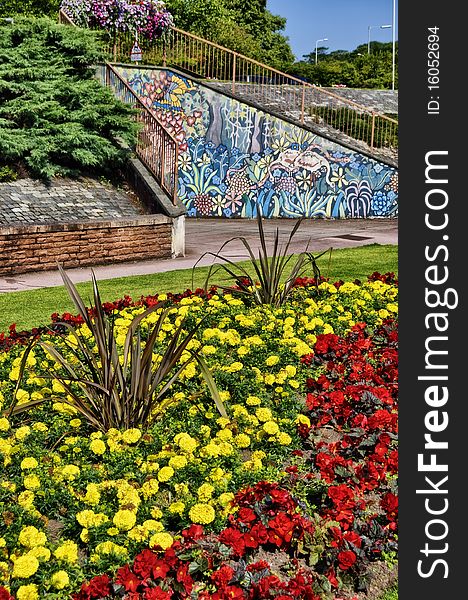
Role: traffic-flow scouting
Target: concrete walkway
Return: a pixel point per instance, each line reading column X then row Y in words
column 207, row 235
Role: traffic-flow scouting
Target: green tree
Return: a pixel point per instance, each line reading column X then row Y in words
column 55, row 117
column 9, row 8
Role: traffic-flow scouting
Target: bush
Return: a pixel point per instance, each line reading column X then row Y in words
column 54, row 115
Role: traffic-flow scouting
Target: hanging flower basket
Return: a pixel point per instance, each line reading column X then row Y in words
column 147, row 19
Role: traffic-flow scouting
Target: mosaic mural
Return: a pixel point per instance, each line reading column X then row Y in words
column 233, row 156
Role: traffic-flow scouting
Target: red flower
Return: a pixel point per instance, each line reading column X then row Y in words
column 194, row 532
column 98, row 587
column 128, row 579
column 353, row 538
column 261, row 565
column 234, row 539
column 390, row 505
column 157, row 593
column 223, row 576
column 246, row 515
column 144, row 563
column 346, row 559
column 5, row 594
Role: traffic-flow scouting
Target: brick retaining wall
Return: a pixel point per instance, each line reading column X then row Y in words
column 39, row 247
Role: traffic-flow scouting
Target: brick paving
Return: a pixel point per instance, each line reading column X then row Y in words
column 28, row 201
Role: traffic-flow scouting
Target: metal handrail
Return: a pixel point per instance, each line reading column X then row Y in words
column 156, row 147
column 254, row 81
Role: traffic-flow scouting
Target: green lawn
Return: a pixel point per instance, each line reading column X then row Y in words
column 33, row 308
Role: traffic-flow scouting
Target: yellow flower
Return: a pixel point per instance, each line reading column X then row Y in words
column 165, row 474
column 303, row 420
column 112, row 531
column 150, row 488
column 41, row 553
column 26, row 499
column 156, row 512
column 242, row 440
column 27, row 592
column 226, row 499
column 60, row 580
column 67, row 552
column 106, row 548
column 124, row 519
column 284, row 439
column 263, row 414
column 31, row 482
column 224, row 434
column 4, row 424
column 92, row 495
column 25, row 566
column 177, row 508
column 152, row 525
column 204, row 492
column 30, row 537
column 131, row 436
column 202, row 514
column 179, row 461
column 163, row 540
column 98, row 447
column 271, row 427
column 272, row 360
column 73, row 423
column 22, row 432
column 185, row 442
column 253, row 401
column 28, row 463
column 70, row 472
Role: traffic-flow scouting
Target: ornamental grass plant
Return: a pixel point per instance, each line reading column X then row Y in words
column 110, row 388
column 275, row 273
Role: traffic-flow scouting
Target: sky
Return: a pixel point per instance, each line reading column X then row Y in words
column 344, row 22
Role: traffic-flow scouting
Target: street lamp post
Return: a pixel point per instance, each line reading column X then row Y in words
column 322, row 40
column 368, row 33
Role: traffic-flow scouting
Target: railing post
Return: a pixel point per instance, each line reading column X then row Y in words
column 303, row 102
column 164, row 58
column 233, row 86
column 372, row 130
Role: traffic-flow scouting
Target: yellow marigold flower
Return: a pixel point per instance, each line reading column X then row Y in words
column 242, row 440
column 205, row 492
column 29, row 463
column 179, row 461
column 152, row 525
column 294, row 383
column 156, row 512
column 138, row 533
column 97, row 446
column 177, row 508
column 263, row 414
column 31, row 482
column 272, row 360
column 112, row 531
column 163, row 540
column 73, row 423
column 84, row 535
column 4, row 571
column 67, row 552
column 202, row 514
column 216, row 474
column 234, row 367
column 291, row 370
column 165, row 474
column 284, row 439
column 2, row 542
column 239, row 411
column 60, row 580
column 226, row 499
column 131, row 436
column 271, row 427
column 92, row 495
column 4, row 424
column 25, row 566
column 22, row 432
column 26, row 499
column 124, row 519
column 150, row 488
column 269, row 379
column 253, row 400
column 27, row 592
column 70, row 472
column 30, row 537
column 106, row 548
column 41, row 553
column 185, row 442
column 88, row 518
column 224, row 434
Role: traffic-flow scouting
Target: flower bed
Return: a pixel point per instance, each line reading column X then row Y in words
column 292, row 496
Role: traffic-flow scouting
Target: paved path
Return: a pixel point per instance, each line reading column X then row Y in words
column 28, row 201
column 204, row 235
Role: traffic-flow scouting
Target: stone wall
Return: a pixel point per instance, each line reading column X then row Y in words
column 32, row 248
